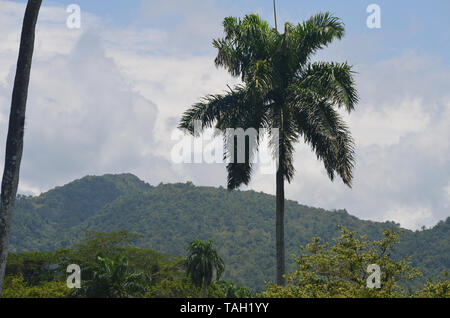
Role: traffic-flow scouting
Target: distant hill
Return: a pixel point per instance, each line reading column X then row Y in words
column 169, row 216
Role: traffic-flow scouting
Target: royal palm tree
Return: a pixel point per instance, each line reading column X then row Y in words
column 201, row 263
column 281, row 88
column 14, row 141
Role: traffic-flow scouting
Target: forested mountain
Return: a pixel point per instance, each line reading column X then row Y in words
column 169, row 216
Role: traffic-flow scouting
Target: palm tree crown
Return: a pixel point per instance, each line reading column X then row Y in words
column 201, row 263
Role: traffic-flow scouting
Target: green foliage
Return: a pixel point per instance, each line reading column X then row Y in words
column 53, row 213
column 170, row 288
column 283, row 89
column 113, row 279
column 114, row 253
column 170, row 216
column 435, row 289
column 322, row 271
column 340, row 270
column 16, row 287
column 183, row 288
column 94, row 244
column 230, row 290
column 34, row 267
column 110, row 266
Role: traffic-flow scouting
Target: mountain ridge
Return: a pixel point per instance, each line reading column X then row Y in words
column 169, row 216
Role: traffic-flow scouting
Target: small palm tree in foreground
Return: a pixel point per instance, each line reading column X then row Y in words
column 281, row 89
column 201, row 263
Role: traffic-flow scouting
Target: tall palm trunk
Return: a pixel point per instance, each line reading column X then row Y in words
column 205, row 289
column 14, row 141
column 280, row 206
column 280, row 228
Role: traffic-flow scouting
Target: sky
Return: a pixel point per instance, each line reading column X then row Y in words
column 107, row 97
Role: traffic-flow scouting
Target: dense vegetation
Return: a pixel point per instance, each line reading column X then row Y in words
column 111, row 267
column 345, row 268
column 170, row 216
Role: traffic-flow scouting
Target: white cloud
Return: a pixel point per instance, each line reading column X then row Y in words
column 190, row 24
column 82, row 116
column 403, row 150
column 28, row 190
column 447, row 195
column 384, row 125
column 105, row 100
column 173, row 83
column 409, row 217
